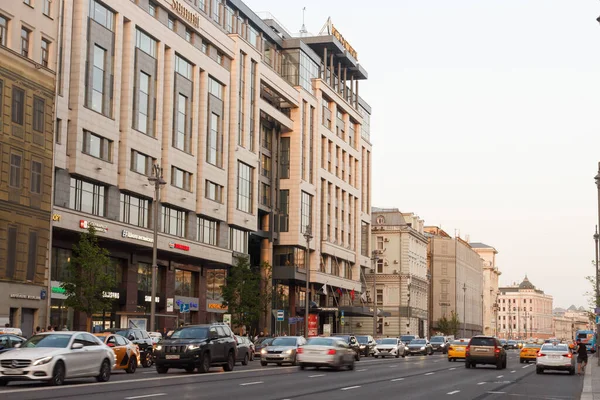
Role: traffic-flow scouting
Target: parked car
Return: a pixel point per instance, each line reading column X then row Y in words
column 529, row 352
column 282, row 350
column 419, row 346
column 12, row 331
column 261, row 343
column 485, row 350
column 142, row 339
column 406, row 339
column 392, row 347
column 156, row 337
column 351, row 341
column 56, row 356
column 127, row 353
column 326, row 352
column 244, row 350
column 555, row 356
column 366, row 344
column 197, row 346
column 439, row 343
column 457, row 349
column 9, row 341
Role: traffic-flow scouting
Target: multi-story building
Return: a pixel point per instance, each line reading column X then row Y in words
column 28, row 41
column 491, row 274
column 400, row 275
column 567, row 322
column 524, row 312
column 259, row 134
column 457, row 281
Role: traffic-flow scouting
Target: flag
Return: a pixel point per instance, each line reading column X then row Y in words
column 324, row 289
column 352, row 294
column 339, row 291
column 363, row 296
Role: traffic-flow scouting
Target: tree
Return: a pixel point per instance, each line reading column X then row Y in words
column 266, row 294
column 242, row 292
column 443, row 325
column 453, row 324
column 87, row 280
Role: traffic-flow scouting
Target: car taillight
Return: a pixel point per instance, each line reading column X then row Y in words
column 568, row 355
column 540, row 354
column 331, row 352
column 299, row 351
column 497, row 350
column 450, row 348
column 468, row 349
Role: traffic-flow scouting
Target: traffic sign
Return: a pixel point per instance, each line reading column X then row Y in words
column 597, row 319
column 184, row 307
column 280, row 315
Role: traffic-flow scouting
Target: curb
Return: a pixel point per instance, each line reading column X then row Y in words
column 588, row 392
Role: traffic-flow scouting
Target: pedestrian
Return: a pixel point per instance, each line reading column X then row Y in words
column 165, row 331
column 7, row 325
column 65, row 328
column 582, row 357
column 37, row 330
column 50, row 329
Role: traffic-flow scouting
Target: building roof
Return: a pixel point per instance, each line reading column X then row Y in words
column 526, row 284
column 478, row 245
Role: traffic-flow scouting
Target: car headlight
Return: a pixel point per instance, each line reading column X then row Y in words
column 362, row 346
column 42, row 361
column 443, row 345
column 193, row 347
column 263, row 351
column 290, row 351
column 158, row 347
column 423, row 348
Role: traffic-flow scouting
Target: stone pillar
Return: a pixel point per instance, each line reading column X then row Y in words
column 324, row 65
column 331, row 69
column 266, row 256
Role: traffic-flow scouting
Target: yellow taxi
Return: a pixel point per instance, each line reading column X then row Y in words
column 529, row 352
column 456, row 349
column 127, row 353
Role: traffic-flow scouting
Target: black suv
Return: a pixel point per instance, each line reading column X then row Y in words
column 352, row 342
column 366, row 344
column 197, row 346
column 143, row 341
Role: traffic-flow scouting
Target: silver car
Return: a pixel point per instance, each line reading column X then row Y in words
column 56, row 356
column 326, row 352
column 555, row 356
column 391, row 347
column 282, row 350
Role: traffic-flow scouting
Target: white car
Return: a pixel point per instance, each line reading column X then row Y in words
column 389, row 347
column 326, row 352
column 155, row 336
column 56, row 356
column 555, row 356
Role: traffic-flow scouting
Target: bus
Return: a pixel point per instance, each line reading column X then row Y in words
column 587, row 337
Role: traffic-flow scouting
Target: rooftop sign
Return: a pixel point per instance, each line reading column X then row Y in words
column 191, row 17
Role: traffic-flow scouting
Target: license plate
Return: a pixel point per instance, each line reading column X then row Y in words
column 555, row 357
column 9, row 372
column 172, row 356
column 484, row 350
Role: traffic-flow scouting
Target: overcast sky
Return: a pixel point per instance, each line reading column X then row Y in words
column 485, row 119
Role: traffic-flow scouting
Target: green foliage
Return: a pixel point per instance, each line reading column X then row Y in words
column 87, row 279
column 453, row 324
column 242, row 293
column 443, row 325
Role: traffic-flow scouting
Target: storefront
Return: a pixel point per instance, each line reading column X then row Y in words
column 23, row 306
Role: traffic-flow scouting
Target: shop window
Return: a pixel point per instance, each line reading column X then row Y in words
column 186, row 283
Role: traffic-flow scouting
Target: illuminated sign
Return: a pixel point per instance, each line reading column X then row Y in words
column 148, row 299
column 24, row 296
column 56, row 217
column 83, row 224
column 331, row 30
column 191, row 17
column 215, row 306
column 179, row 246
column 131, row 235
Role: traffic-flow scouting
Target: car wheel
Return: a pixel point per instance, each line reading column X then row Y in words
column 449, row 360
column 3, row 382
column 539, row 371
column 302, row 366
column 357, row 357
column 295, row 362
column 572, row 371
column 104, row 375
column 522, row 361
column 397, row 355
column 132, row 366
column 473, row 365
column 375, row 355
column 230, row 362
column 351, row 366
column 146, row 360
column 263, row 363
column 246, row 359
column 161, row 369
column 58, row 374
column 204, row 363
column 403, row 355
column 467, row 364
column 504, row 364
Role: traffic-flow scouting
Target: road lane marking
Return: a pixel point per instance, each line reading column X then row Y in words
column 316, row 376
column 482, row 383
column 453, row 392
column 350, row 388
column 393, row 366
column 361, row 370
column 497, row 392
column 251, row 383
column 151, row 372
column 429, row 373
column 144, row 396
column 436, row 361
column 452, row 369
column 500, row 376
column 513, row 371
column 525, row 366
column 397, row 379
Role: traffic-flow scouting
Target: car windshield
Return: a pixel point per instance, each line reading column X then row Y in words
column 264, row 341
column 362, row 339
column 436, row 339
column 482, row 341
column 389, row 341
column 321, row 342
column 418, row 341
column 459, row 343
column 551, row 347
column 532, row 345
column 122, row 333
column 283, row 341
column 190, row 333
column 503, row 341
column 406, row 339
column 57, row 341
column 512, row 342
column 344, row 338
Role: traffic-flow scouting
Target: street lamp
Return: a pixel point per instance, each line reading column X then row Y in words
column 157, row 180
column 374, row 257
column 307, row 235
column 596, row 237
column 464, row 308
column 597, row 179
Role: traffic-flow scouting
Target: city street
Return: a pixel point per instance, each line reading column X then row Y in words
column 419, row 377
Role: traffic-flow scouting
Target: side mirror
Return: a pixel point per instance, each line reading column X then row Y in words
column 110, row 344
column 131, row 337
column 77, row 346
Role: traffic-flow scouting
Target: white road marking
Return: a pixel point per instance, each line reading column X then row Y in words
column 453, row 392
column 251, row 383
column 525, row 366
column 429, row 373
column 397, row 379
column 350, row 388
column 152, row 372
column 513, row 371
column 361, row 370
column 452, row 369
column 146, row 395
column 482, row 383
column 500, row 376
column 316, row 376
column 393, row 366
column 436, row 361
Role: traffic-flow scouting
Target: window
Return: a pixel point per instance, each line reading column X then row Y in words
column 181, row 178
column 98, row 78
column 216, row 11
column 265, row 194
column 143, row 102
column 152, row 9
column 215, row 88
column 102, row 15
column 379, row 242
column 18, row 105
column 284, row 164
column 59, row 263
column 174, row 221
column 11, row 252
column 16, row 167
column 25, row 41
column 219, row 58
column 204, row 47
column 141, row 163
column 36, row 177
column 252, row 36
column 214, row 142
column 207, row 231
column 244, row 187
column 46, row 7
column 38, row 114
column 252, row 102
column 311, row 144
column 45, row 52
column 145, row 43
column 186, row 283
column 134, row 210
column 379, row 297
column 214, row 192
column 87, row 197
column 171, row 23
column 179, row 141
column 309, row 70
column 238, row 240
column 265, row 166
column 183, row 67
column 284, row 210
column 266, row 138
column 144, row 278
column 202, row 5
column 305, row 212
column 3, row 30
column 188, row 35
column 241, row 98
column 379, row 266
column 97, row 146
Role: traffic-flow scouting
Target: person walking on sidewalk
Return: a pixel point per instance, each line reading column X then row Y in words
column 582, row 357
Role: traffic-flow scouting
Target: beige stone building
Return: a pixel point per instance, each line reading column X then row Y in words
column 259, row 134
column 525, row 312
column 491, row 274
column 457, row 281
column 567, row 322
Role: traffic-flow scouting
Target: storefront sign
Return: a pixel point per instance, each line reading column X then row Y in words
column 215, row 306
column 148, row 299
column 56, row 217
column 58, row 289
column 191, row 17
column 170, row 304
column 131, row 235
column 98, row 227
column 179, row 246
column 111, row 295
column 227, row 319
column 24, row 296
column 192, row 301
column 313, row 324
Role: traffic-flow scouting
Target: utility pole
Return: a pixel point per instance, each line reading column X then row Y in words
column 374, row 257
column 157, row 180
column 307, row 236
column 597, row 179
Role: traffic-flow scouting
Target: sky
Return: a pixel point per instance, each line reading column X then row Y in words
column 485, row 120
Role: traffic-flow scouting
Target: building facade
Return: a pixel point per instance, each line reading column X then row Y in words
column 567, row 322
column 525, row 312
column 258, row 133
column 457, row 282
column 491, row 274
column 28, row 39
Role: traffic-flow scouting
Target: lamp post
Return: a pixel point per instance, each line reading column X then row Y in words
column 307, row 236
column 408, row 303
column 482, row 313
column 374, row 257
column 597, row 179
column 464, row 288
column 157, row 180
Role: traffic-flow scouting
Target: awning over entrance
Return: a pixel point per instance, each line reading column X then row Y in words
column 362, row 311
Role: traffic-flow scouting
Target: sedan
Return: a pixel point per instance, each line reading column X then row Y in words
column 282, row 350
column 555, row 357
column 420, row 346
column 390, row 347
column 56, row 356
column 326, row 352
column 9, row 342
column 457, row 349
column 244, row 350
column 127, row 353
column 366, row 344
column 261, row 343
column 529, row 352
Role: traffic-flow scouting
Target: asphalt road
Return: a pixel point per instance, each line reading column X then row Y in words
column 418, row 377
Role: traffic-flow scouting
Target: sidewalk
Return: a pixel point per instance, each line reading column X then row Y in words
column 591, row 380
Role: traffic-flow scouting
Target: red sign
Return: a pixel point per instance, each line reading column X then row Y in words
column 313, row 325
column 179, row 246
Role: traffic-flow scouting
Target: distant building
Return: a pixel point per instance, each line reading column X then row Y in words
column 567, row 322
column 491, row 274
column 525, row 312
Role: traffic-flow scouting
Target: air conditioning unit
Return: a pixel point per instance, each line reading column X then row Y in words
column 386, row 239
column 386, row 323
column 359, row 324
column 395, row 271
column 396, row 262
